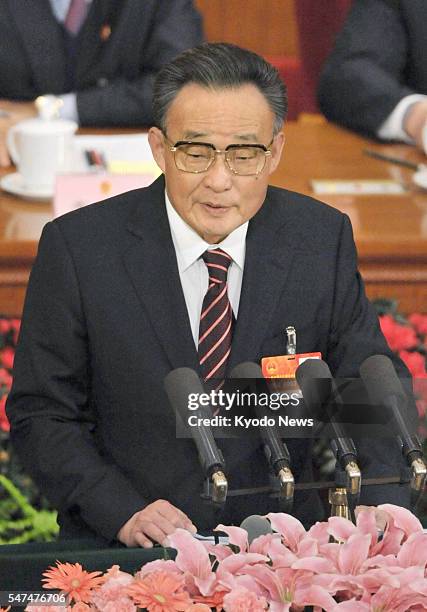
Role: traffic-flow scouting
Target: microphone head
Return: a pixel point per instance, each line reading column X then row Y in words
column 316, row 383
column 256, row 526
column 381, row 380
column 248, row 369
column 313, row 368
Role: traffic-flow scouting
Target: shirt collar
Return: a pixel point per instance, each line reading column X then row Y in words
column 189, row 246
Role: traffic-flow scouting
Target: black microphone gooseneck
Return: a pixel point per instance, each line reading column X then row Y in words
column 320, row 394
column 385, row 389
column 179, row 385
column 275, row 449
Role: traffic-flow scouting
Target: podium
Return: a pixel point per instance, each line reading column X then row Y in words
column 22, row 565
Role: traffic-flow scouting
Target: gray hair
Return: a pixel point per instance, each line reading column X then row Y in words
column 219, row 66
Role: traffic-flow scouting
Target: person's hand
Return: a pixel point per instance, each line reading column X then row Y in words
column 415, row 120
column 154, row 523
column 10, row 113
column 381, row 517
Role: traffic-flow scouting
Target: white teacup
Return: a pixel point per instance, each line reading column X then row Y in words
column 41, row 148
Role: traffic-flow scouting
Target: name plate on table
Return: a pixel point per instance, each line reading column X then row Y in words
column 73, row 191
column 362, row 187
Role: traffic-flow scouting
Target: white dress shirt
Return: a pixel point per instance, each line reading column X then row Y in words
column 189, row 247
column 392, row 127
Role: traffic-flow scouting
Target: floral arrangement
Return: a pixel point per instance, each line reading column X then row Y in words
column 24, row 515
column 9, row 330
column 408, row 338
column 334, row 566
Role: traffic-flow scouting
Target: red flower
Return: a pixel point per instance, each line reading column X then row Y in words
column 415, row 362
column 399, row 337
column 5, row 379
column 422, row 408
column 419, row 322
column 5, row 326
column 16, row 326
column 6, row 357
column 4, row 421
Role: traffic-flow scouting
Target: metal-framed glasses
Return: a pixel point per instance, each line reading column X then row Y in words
column 241, row 159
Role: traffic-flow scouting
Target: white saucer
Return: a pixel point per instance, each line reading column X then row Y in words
column 420, row 178
column 13, row 183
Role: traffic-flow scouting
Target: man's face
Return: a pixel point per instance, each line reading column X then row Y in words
column 216, row 202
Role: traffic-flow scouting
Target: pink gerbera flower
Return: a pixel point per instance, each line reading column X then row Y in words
column 73, row 580
column 160, row 592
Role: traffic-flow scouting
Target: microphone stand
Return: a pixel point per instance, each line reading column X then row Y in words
column 418, row 471
column 342, row 487
column 344, row 496
column 216, row 489
column 348, row 479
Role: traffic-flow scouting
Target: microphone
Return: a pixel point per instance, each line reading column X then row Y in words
column 319, row 392
column 179, row 384
column 385, row 389
column 256, row 526
column 275, row 449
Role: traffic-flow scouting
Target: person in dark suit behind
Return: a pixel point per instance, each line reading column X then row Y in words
column 93, row 61
column 120, row 295
column 375, row 80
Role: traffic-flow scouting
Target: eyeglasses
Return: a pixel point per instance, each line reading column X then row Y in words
column 196, row 157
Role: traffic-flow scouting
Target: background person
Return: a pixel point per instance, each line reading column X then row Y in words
column 99, row 57
column 375, row 80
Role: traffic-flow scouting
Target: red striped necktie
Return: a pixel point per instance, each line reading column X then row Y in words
column 76, row 15
column 216, row 320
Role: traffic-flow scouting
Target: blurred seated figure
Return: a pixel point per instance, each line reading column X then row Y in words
column 99, row 57
column 375, row 80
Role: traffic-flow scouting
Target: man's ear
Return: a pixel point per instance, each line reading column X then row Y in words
column 157, row 145
column 276, row 151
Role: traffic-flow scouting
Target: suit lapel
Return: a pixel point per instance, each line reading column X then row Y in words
column 92, row 38
column 40, row 31
column 151, row 263
column 267, row 264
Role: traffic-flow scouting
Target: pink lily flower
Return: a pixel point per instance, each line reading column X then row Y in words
column 290, row 528
column 287, row 587
column 193, row 560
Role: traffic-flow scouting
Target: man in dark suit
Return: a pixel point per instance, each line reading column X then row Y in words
column 96, row 59
column 375, row 80
column 118, row 297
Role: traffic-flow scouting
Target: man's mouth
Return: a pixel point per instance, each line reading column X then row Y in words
column 213, row 206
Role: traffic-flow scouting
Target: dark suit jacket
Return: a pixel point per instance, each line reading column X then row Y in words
column 105, row 320
column 379, row 57
column 114, row 78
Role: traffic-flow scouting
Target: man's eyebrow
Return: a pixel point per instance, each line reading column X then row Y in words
column 249, row 137
column 190, row 134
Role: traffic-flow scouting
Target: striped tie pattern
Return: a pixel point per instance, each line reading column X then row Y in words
column 76, row 15
column 216, row 320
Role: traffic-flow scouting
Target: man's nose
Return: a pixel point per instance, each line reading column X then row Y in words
column 219, row 176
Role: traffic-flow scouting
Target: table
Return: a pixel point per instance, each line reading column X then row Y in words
column 390, row 231
column 22, row 565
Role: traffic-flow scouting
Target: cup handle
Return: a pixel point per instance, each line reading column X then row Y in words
column 11, row 145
